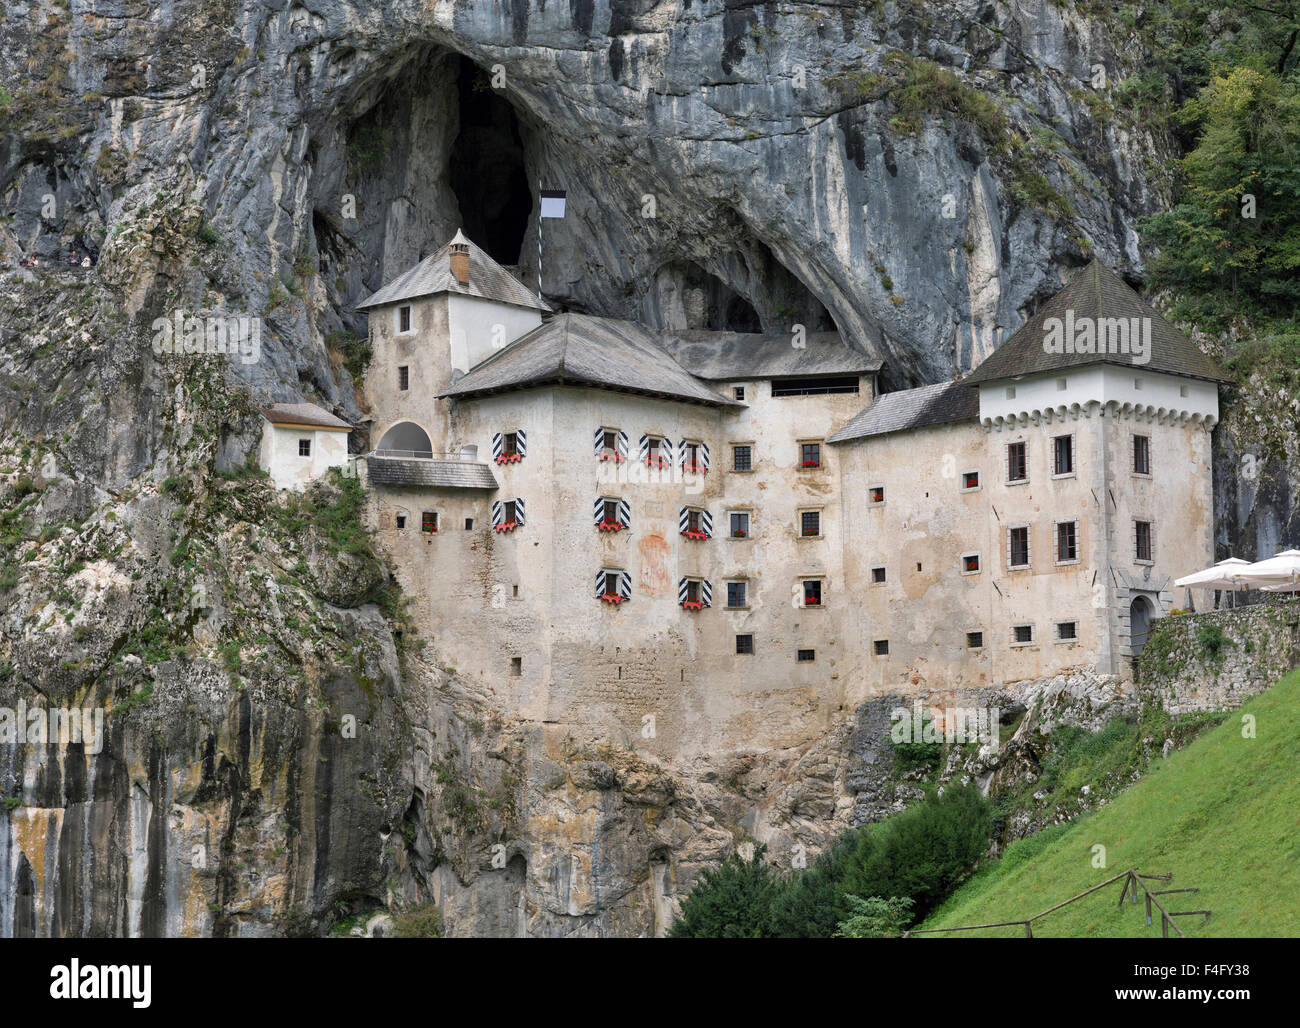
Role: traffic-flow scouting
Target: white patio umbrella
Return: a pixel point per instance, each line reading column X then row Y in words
column 1220, row 576
column 1279, row 573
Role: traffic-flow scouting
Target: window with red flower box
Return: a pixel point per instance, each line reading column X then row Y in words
column 610, row 514
column 695, row 523
column 694, row 594
column 613, row 586
column 428, row 521
column 507, row 515
column 509, row 447
column 810, row 455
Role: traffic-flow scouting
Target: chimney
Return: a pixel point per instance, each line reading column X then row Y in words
column 460, row 258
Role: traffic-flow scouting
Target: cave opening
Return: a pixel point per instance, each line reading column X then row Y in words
column 487, row 168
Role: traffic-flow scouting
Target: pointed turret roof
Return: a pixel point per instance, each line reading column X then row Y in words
column 1095, row 292
column 433, row 275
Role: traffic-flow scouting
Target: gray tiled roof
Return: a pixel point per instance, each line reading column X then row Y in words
column 433, row 275
column 302, row 414
column 913, row 408
column 1095, row 292
column 729, row 355
column 441, row 474
column 579, row 349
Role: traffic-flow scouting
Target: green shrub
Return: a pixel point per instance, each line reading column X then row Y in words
column 875, row 918
column 422, row 922
column 732, row 901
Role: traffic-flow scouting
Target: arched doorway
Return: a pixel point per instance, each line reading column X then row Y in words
column 405, row 439
column 1139, row 622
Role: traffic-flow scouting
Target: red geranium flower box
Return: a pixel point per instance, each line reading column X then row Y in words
column 510, row 458
column 617, row 458
column 506, row 526
column 696, row 468
column 695, row 533
column 812, row 601
column 811, row 464
column 611, row 526
column 613, row 598
column 692, row 605
column 657, row 462
column 739, row 533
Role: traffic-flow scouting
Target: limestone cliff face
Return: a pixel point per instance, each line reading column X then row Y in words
column 727, row 164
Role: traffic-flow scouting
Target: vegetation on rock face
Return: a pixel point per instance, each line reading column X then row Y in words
column 906, row 863
column 1218, row 815
column 422, row 922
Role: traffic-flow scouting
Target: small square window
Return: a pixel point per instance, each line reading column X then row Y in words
column 469, row 524
column 404, row 377
column 878, row 575
column 736, row 594
column 1022, row 635
column 511, row 511
column 693, row 591
column 876, row 495
column 1137, row 383
column 810, row 524
column 304, row 447
column 881, row 647
column 400, row 520
column 510, row 443
column 516, row 666
column 742, row 457
column 738, row 392
column 810, row 455
column 805, row 656
column 970, row 563
column 739, row 524
column 429, row 521
column 1061, row 385
column 812, row 592
column 1067, row 631
column 1011, row 392
column 744, row 644
column 970, row 480
column 404, row 319
column 974, row 640
column 1183, row 391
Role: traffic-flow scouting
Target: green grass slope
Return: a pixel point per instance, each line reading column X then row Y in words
column 1222, row 814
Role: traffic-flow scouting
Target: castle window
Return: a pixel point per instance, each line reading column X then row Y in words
column 404, row 318
column 1022, row 635
column 694, row 594
column 1141, row 455
column 820, row 386
column 974, row 640
column 507, row 515
column 695, row 523
column 742, row 457
column 399, row 521
column 656, row 451
column 810, row 455
column 970, row 563
column 970, row 481
column 403, row 377
column 469, row 524
column 875, row 495
column 509, row 447
column 738, row 392
column 805, row 656
column 737, row 595
column 1067, row 631
column 810, row 524
column 812, row 592
column 881, row 647
column 695, row 457
column 739, row 524
column 1018, row 547
column 1067, row 542
column 1011, row 392
column 1063, row 455
column 1137, row 383
column 1142, row 544
column 304, row 447
column 613, row 586
column 1061, row 385
column 744, row 644
column 429, row 521
column 1183, row 391
column 611, row 445
column 611, row 514
column 516, row 666
column 1017, row 463
column 878, row 575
